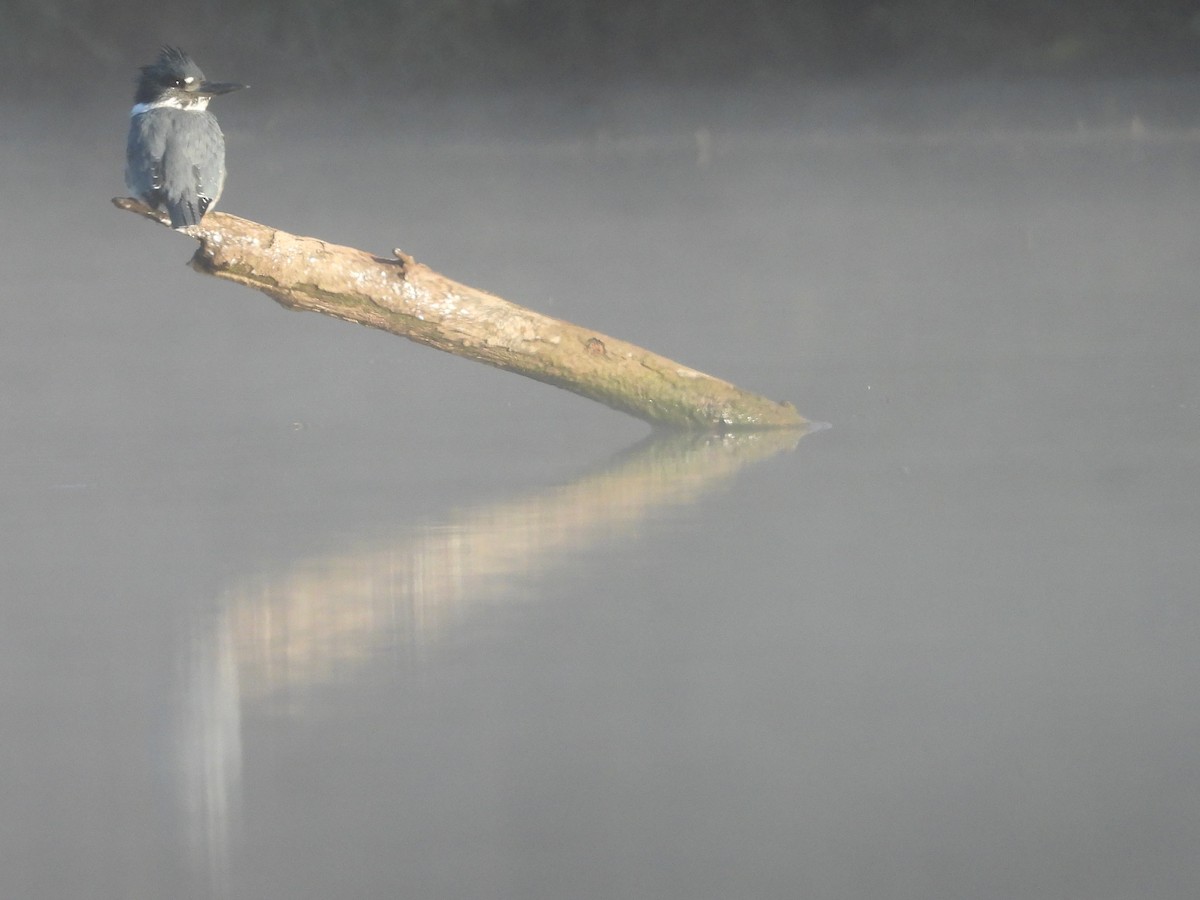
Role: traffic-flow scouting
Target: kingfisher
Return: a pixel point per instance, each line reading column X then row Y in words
column 175, row 156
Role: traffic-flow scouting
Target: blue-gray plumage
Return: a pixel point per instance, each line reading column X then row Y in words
column 175, row 156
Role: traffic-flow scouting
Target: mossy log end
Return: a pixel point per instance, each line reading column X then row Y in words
column 411, row 300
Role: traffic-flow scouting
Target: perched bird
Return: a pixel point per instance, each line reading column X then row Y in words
column 175, row 156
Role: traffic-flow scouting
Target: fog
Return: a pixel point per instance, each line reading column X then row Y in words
column 292, row 608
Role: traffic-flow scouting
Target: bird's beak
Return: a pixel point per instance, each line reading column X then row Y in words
column 212, row 88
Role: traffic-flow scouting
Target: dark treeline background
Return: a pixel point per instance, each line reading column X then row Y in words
column 419, row 44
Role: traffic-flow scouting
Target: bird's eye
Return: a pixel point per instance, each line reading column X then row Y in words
column 176, row 82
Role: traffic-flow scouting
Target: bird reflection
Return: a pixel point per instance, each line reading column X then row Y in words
column 209, row 752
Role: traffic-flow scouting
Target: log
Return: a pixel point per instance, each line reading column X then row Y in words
column 409, row 299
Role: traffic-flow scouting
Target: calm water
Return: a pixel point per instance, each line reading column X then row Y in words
column 293, row 609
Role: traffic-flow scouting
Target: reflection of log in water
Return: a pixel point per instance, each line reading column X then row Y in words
column 305, row 625
column 279, row 634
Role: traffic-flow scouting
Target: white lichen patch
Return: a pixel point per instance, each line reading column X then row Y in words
column 445, row 306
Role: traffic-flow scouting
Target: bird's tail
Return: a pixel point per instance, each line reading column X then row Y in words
column 186, row 212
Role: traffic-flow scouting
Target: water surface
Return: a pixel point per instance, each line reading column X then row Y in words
column 296, row 609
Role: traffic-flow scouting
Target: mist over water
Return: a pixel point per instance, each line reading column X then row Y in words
column 297, row 609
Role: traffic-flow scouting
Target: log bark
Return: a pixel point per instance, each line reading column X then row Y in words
column 406, row 298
